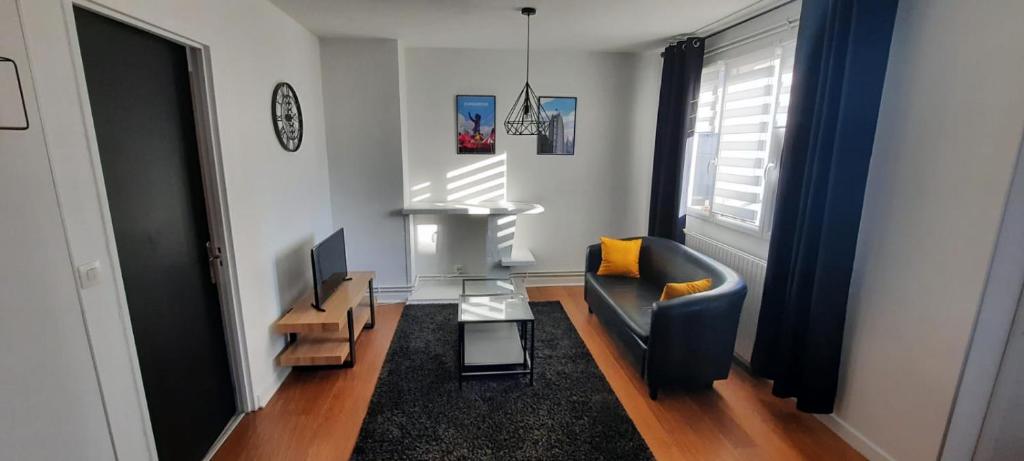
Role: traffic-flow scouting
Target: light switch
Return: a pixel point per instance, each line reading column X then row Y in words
column 89, row 274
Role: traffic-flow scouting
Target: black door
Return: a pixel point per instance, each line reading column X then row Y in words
column 141, row 102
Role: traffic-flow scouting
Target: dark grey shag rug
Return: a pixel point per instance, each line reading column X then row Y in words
column 419, row 412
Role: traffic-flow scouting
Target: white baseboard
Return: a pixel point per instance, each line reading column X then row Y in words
column 850, row 435
column 263, row 397
column 854, row 438
column 393, row 294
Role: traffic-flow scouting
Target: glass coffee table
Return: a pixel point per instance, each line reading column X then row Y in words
column 496, row 335
column 492, row 286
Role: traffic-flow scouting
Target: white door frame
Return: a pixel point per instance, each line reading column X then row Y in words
column 212, row 170
column 992, row 327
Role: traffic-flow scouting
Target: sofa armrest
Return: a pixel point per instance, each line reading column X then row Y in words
column 593, row 258
column 692, row 337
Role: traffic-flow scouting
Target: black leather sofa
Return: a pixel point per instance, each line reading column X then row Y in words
column 686, row 341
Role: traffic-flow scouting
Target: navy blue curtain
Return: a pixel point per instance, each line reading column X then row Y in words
column 677, row 112
column 841, row 55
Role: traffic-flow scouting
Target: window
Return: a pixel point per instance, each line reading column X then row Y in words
column 740, row 122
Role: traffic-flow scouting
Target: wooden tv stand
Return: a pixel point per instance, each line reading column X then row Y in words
column 328, row 337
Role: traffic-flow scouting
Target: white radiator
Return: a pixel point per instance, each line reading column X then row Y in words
column 751, row 268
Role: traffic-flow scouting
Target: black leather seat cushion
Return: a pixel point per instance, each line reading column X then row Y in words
column 634, row 299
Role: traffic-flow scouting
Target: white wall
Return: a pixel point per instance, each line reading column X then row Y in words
column 951, row 119
column 49, row 396
column 278, row 201
column 644, row 122
column 363, row 116
column 586, row 195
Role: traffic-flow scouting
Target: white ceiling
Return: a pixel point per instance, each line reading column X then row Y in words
column 611, row 25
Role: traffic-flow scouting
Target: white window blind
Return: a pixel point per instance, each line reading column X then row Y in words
column 741, row 119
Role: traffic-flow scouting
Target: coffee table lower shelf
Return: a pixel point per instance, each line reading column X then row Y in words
column 496, row 348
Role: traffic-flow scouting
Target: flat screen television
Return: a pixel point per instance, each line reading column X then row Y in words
column 329, row 267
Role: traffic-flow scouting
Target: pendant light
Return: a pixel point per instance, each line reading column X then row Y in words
column 527, row 117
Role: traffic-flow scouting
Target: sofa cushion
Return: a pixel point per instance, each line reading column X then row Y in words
column 675, row 290
column 620, row 257
column 634, row 299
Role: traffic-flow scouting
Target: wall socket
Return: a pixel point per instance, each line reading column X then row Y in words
column 459, row 269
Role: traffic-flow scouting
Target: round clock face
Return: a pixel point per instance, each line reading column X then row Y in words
column 287, row 116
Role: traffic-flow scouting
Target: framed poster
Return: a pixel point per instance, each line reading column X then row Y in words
column 474, row 124
column 560, row 137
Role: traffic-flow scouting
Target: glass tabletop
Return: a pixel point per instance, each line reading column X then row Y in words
column 493, row 308
column 488, row 286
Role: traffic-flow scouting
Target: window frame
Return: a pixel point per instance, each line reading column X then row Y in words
column 770, row 172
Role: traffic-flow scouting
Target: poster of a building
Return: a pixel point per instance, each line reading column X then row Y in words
column 560, row 136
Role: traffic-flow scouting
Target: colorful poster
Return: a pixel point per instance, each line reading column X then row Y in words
column 474, row 124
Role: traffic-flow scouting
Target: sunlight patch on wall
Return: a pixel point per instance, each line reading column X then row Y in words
column 476, row 166
column 483, row 188
column 505, row 233
column 475, row 178
column 478, row 182
column 426, row 239
column 496, row 194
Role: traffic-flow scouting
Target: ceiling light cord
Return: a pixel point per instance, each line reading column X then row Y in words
column 527, row 49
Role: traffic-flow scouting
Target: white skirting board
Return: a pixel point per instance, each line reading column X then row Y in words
column 850, row 435
column 264, row 395
column 854, row 438
column 393, row 294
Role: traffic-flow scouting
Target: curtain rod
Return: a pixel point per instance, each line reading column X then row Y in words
column 769, row 10
column 754, row 36
column 730, row 27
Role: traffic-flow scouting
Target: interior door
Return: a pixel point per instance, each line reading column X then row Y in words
column 141, row 99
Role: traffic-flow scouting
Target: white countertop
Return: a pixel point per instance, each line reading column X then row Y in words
column 481, row 208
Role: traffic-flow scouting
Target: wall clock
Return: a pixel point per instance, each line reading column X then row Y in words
column 287, row 116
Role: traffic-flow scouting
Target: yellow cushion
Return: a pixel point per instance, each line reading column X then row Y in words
column 620, row 257
column 675, row 290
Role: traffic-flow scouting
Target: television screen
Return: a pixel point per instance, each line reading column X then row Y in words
column 329, row 267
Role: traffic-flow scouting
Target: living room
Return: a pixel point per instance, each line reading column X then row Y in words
column 296, row 229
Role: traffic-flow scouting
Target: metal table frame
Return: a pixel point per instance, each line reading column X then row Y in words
column 527, row 334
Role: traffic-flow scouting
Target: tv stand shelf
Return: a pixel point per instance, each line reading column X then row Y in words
column 328, row 337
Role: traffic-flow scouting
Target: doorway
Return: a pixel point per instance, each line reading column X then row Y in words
column 141, row 97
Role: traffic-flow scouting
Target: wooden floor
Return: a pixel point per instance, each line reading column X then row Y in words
column 316, row 415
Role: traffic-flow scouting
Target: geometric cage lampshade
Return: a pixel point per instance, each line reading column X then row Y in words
column 527, row 116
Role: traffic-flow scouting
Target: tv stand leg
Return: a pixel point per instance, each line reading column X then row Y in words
column 351, row 339
column 373, row 307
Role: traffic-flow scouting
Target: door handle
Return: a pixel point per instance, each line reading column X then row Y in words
column 213, row 261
